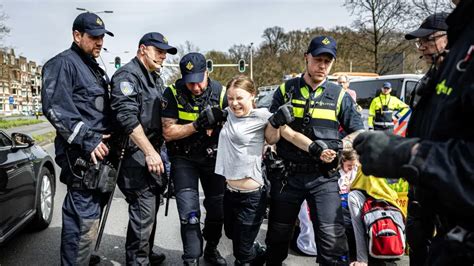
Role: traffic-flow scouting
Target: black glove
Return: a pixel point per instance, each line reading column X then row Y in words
column 208, row 118
column 385, row 155
column 284, row 115
column 318, row 146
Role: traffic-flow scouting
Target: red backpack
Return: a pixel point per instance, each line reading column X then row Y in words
column 385, row 228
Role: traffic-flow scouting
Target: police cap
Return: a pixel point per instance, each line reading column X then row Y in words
column 193, row 67
column 91, row 24
column 322, row 45
column 157, row 40
column 432, row 24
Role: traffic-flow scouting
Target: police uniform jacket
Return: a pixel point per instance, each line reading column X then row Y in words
column 445, row 157
column 76, row 101
column 179, row 103
column 136, row 100
column 318, row 115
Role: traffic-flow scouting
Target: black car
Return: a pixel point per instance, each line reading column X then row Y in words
column 27, row 185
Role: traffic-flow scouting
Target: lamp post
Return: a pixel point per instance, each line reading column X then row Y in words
column 98, row 12
column 251, row 60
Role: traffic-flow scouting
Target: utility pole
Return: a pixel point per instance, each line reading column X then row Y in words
column 251, row 60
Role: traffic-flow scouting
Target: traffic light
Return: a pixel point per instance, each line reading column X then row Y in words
column 209, row 65
column 118, row 64
column 241, row 65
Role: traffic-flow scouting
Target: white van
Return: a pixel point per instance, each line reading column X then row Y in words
column 369, row 88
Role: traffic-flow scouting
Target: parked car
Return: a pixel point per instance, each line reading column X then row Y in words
column 265, row 96
column 369, row 88
column 27, row 185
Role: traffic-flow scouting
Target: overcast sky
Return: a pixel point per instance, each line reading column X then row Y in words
column 42, row 28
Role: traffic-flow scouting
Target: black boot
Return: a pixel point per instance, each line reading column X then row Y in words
column 94, row 260
column 212, row 255
column 260, row 254
column 194, row 262
column 156, row 258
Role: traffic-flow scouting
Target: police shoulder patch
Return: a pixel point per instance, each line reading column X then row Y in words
column 164, row 104
column 126, row 88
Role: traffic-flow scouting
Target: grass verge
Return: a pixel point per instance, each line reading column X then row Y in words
column 4, row 124
column 44, row 139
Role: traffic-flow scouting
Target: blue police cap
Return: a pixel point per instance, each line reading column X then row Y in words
column 387, row 85
column 91, row 24
column 157, row 40
column 322, row 44
column 193, row 67
column 433, row 23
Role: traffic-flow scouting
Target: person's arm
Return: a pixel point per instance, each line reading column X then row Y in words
column 304, row 143
column 125, row 102
column 173, row 131
column 272, row 135
column 299, row 140
column 402, row 107
column 370, row 120
column 60, row 109
column 152, row 157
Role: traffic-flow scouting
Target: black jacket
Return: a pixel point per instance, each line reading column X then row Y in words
column 136, row 99
column 446, row 154
column 76, row 101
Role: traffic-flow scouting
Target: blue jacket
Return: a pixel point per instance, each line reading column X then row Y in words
column 76, row 101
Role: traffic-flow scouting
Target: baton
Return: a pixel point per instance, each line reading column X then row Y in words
column 103, row 219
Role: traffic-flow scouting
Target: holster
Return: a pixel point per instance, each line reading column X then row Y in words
column 275, row 166
column 100, row 177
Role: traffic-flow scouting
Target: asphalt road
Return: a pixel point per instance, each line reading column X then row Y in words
column 35, row 129
column 42, row 248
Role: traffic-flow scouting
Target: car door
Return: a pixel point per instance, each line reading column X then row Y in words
column 17, row 185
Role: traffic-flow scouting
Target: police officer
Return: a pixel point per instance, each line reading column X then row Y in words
column 431, row 41
column 136, row 93
column 382, row 109
column 319, row 108
column 441, row 160
column 191, row 115
column 76, row 102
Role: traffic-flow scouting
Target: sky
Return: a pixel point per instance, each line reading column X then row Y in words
column 42, row 28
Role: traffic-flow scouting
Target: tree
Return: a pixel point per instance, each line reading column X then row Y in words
column 423, row 8
column 377, row 22
column 274, row 39
column 4, row 29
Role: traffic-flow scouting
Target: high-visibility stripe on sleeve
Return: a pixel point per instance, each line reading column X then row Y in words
column 75, row 132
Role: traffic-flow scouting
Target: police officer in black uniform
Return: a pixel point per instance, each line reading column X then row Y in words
column 441, row 160
column 319, row 108
column 431, row 42
column 136, row 93
column 76, row 102
column 192, row 113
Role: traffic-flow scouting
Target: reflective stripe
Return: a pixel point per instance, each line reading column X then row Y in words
column 75, row 132
column 339, row 101
column 383, row 123
column 298, row 112
column 187, row 116
column 300, row 101
column 221, row 99
column 324, row 114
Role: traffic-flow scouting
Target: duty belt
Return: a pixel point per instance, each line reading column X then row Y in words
column 303, row 168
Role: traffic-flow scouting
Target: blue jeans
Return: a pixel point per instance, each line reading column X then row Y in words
column 243, row 215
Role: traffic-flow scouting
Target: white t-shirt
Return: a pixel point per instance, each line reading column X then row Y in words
column 240, row 146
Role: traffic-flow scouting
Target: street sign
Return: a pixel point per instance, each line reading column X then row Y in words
column 11, row 100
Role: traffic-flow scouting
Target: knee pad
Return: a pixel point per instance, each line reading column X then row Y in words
column 215, row 207
column 188, row 206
